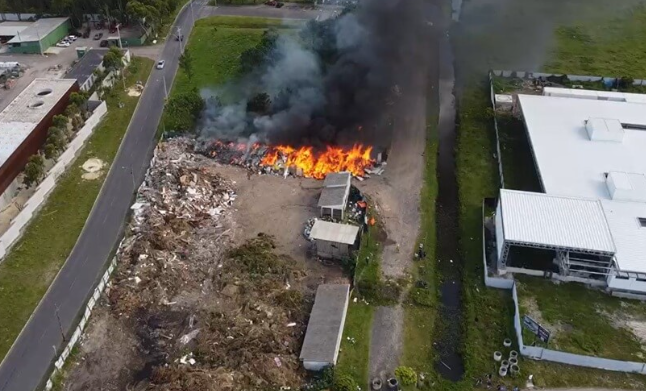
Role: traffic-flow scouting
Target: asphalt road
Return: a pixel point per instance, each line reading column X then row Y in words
column 33, row 353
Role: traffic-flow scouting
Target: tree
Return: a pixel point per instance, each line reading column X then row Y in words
column 113, row 59
column 57, row 137
column 50, row 151
column 71, row 110
column 186, row 63
column 60, row 121
column 79, row 98
column 182, row 111
column 34, row 170
column 259, row 104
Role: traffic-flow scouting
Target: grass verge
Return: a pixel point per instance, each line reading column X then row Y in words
column 34, row 261
column 355, row 346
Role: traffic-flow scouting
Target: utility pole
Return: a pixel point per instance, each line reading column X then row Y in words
column 119, row 35
column 60, row 326
column 165, row 89
column 192, row 16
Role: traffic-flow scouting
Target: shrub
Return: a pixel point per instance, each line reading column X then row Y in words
column 345, row 383
column 34, row 170
column 421, row 296
column 406, row 375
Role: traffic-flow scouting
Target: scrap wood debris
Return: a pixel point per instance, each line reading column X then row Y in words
column 207, row 317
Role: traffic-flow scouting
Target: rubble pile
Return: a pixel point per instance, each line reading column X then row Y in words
column 297, row 162
column 207, row 317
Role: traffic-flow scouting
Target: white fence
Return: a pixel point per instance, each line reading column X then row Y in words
column 35, row 202
column 58, row 365
column 539, row 353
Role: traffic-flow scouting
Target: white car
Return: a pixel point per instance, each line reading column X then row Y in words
column 72, row 38
column 63, row 44
column 160, row 64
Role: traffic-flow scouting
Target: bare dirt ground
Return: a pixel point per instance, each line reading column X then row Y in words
column 183, row 312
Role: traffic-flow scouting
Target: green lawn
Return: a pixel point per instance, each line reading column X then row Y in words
column 583, row 320
column 355, row 346
column 614, row 47
column 34, row 261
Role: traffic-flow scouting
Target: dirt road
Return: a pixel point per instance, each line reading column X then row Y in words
column 398, row 192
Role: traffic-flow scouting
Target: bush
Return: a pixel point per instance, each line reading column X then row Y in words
column 345, row 383
column 421, row 296
column 182, row 111
column 406, row 375
column 34, row 170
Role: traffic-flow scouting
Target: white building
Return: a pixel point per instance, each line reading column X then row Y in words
column 589, row 150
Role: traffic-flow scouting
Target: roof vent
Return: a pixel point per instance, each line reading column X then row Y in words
column 624, row 186
column 36, row 104
column 602, row 129
column 44, row 92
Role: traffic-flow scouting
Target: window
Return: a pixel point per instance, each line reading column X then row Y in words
column 642, row 221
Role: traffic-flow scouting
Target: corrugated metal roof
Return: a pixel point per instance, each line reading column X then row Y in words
column 325, row 327
column 38, row 30
column 337, row 179
column 333, row 197
column 334, row 232
column 563, row 222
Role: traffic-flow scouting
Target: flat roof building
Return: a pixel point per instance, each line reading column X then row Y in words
column 24, row 123
column 83, row 70
column 589, row 150
column 40, row 35
column 325, row 327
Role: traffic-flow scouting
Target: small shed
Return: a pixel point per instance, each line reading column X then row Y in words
column 325, row 327
column 334, row 197
column 334, row 241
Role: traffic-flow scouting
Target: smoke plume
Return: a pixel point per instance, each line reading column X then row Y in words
column 333, row 78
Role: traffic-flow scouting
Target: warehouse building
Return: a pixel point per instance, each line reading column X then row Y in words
column 10, row 29
column 590, row 220
column 39, row 36
column 325, row 327
column 83, row 70
column 24, row 124
column 333, row 240
column 334, row 197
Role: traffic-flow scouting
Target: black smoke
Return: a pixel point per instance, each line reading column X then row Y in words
column 325, row 83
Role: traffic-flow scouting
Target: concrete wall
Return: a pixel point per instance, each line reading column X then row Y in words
column 33, row 205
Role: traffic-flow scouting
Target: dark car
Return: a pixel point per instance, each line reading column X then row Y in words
column 280, row 5
column 98, row 36
column 104, row 43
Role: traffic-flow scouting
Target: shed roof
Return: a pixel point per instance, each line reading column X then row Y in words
column 333, row 197
column 86, row 65
column 337, row 179
column 38, row 30
column 334, row 232
column 554, row 221
column 325, row 327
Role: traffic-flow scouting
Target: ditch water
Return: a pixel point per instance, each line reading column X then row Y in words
column 449, row 265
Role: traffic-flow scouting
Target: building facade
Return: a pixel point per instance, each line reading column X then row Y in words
column 40, row 36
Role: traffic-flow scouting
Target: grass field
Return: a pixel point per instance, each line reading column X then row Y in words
column 32, row 264
column 615, row 47
column 355, row 346
column 583, row 320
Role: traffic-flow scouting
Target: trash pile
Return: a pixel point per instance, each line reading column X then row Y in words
column 297, row 162
column 207, row 317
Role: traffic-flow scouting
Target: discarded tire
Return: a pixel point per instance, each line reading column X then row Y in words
column 514, row 370
column 377, row 384
column 507, row 342
column 497, row 356
column 393, row 384
column 513, row 354
column 502, row 371
column 504, row 364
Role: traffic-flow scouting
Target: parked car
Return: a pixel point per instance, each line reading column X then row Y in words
column 280, row 5
column 63, row 44
column 72, row 38
column 98, row 36
column 160, row 64
column 104, row 43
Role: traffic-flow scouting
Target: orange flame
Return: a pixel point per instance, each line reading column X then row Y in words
column 317, row 165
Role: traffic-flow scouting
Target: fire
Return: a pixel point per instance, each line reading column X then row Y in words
column 317, row 164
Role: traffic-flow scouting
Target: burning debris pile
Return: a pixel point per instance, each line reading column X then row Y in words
column 206, row 317
column 301, row 162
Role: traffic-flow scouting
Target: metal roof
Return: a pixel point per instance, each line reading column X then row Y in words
column 556, row 222
column 325, row 327
column 628, row 235
column 84, row 68
column 334, row 232
column 11, row 29
column 333, row 197
column 38, row 30
column 337, row 179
